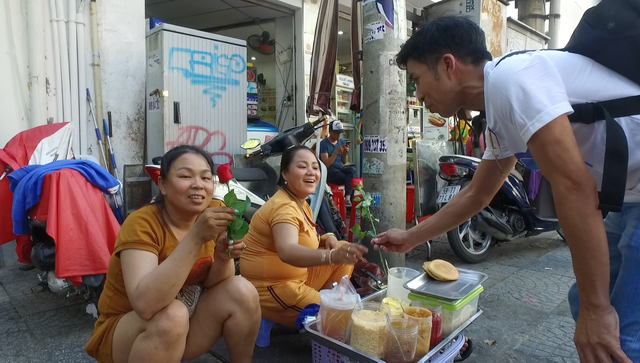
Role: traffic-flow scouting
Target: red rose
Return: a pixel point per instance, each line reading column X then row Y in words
column 356, row 183
column 224, row 173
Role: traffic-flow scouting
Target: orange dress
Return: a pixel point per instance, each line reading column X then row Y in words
column 145, row 229
column 284, row 289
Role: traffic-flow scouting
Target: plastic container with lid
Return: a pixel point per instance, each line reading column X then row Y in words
column 400, row 340
column 454, row 313
column 396, row 306
column 422, row 316
column 368, row 325
column 335, row 313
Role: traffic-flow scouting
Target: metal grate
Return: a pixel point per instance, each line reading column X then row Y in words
column 137, row 188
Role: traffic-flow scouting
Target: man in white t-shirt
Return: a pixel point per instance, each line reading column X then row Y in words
column 527, row 98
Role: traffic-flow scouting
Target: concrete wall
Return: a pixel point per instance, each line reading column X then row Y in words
column 570, row 14
column 121, row 26
column 121, row 35
column 14, row 73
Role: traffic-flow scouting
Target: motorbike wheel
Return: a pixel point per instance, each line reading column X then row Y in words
column 470, row 244
column 561, row 233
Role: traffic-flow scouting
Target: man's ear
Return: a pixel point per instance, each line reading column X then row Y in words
column 448, row 63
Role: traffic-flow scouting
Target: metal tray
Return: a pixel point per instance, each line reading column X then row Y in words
column 345, row 349
column 468, row 281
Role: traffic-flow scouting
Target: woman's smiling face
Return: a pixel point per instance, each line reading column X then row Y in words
column 303, row 174
column 189, row 184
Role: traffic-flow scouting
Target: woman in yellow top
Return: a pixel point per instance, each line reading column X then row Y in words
column 170, row 291
column 285, row 259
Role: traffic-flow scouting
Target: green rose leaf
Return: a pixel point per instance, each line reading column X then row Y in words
column 370, row 233
column 241, row 232
column 230, row 198
column 236, row 224
column 239, row 206
column 358, row 231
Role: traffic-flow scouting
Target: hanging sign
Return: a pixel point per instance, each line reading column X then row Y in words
column 385, row 8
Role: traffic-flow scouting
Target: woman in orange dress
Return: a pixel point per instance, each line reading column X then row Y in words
column 285, row 259
column 170, row 292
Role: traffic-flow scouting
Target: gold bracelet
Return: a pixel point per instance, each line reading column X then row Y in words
column 330, row 263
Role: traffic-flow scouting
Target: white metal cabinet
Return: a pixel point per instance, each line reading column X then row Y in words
column 196, row 92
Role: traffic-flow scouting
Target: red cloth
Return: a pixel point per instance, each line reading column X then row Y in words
column 16, row 154
column 81, row 223
column 6, row 200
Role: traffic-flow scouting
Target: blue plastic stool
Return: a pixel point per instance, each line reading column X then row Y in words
column 264, row 334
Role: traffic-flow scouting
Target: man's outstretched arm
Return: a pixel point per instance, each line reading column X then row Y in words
column 486, row 182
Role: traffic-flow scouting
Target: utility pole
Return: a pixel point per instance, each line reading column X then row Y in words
column 385, row 117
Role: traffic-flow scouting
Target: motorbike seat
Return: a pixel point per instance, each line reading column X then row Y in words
column 249, row 174
column 517, row 175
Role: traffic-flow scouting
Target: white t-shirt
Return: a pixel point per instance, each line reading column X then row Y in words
column 527, row 91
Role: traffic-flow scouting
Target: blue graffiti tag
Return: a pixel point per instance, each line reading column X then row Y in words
column 212, row 70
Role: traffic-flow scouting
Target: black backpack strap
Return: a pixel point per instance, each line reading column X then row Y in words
column 588, row 113
column 616, row 154
column 512, row 54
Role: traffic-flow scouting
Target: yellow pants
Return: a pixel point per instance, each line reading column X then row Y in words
column 282, row 303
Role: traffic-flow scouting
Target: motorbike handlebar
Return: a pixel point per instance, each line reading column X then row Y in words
column 288, row 138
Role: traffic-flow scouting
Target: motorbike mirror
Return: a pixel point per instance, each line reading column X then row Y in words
column 153, row 171
column 251, row 144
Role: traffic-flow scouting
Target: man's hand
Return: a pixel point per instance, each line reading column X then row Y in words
column 339, row 150
column 597, row 336
column 393, row 240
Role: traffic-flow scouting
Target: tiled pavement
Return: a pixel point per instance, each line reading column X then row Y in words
column 525, row 312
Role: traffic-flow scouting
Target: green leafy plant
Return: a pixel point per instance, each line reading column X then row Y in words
column 365, row 201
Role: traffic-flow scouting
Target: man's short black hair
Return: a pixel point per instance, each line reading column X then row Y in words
column 457, row 35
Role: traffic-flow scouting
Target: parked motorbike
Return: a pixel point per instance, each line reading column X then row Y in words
column 72, row 229
column 258, row 181
column 511, row 214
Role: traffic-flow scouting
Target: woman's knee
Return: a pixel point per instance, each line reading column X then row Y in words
column 245, row 294
column 170, row 323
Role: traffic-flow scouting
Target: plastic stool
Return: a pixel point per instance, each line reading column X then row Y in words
column 352, row 216
column 338, row 199
column 264, row 334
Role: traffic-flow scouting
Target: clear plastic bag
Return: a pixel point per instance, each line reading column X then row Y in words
column 336, row 306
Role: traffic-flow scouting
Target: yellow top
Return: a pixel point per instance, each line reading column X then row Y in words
column 260, row 263
column 145, row 229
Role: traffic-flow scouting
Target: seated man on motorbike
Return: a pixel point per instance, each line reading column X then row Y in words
column 286, row 260
column 170, row 292
column 527, row 99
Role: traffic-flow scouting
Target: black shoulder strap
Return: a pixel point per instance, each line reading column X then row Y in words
column 512, row 54
column 616, row 154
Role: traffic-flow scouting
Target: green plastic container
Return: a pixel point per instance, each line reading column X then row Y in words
column 454, row 313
